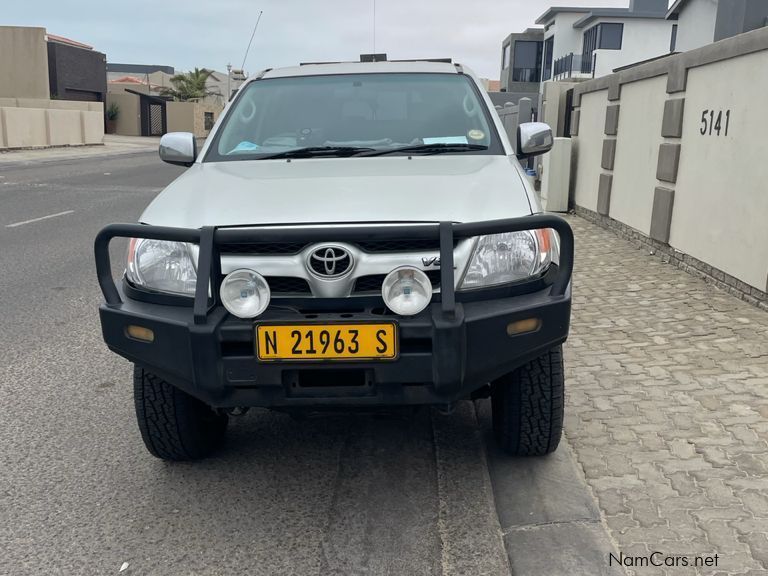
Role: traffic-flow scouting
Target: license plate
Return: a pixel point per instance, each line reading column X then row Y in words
column 326, row 341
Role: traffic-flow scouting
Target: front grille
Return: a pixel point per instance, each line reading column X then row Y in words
column 258, row 248
column 371, row 246
column 373, row 283
column 288, row 285
column 402, row 245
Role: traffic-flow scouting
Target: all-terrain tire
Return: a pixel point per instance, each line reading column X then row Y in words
column 174, row 425
column 527, row 406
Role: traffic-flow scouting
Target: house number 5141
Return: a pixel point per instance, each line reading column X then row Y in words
column 715, row 122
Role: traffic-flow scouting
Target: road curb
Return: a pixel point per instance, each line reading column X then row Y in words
column 73, row 158
column 550, row 521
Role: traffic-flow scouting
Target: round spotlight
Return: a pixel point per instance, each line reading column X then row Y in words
column 245, row 293
column 406, row 291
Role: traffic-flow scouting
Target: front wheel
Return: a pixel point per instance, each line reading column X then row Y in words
column 174, row 425
column 528, row 405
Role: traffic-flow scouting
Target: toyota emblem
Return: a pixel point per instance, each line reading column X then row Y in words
column 330, row 261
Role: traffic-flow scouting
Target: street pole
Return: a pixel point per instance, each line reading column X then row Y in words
column 229, row 78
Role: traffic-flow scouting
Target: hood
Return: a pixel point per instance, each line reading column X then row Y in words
column 341, row 190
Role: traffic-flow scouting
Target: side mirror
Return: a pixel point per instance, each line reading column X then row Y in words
column 178, row 148
column 533, row 139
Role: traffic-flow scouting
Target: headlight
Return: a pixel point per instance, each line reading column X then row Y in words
column 508, row 257
column 163, row 266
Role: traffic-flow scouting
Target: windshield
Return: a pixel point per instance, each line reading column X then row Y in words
column 356, row 114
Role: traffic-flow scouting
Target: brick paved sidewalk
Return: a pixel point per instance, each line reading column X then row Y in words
column 668, row 407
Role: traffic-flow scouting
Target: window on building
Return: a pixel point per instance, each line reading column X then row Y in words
column 605, row 36
column 208, row 120
column 611, row 35
column 549, row 45
column 505, row 56
column 527, row 61
column 673, row 41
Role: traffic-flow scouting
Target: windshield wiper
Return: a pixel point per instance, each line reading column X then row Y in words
column 429, row 149
column 315, row 151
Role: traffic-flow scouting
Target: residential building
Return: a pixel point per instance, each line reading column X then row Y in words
column 223, row 84
column 490, row 85
column 700, row 22
column 521, row 60
column 592, row 42
column 75, row 70
column 117, row 70
column 146, row 78
column 51, row 90
column 152, row 84
column 152, row 79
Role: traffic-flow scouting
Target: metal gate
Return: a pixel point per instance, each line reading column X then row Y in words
column 153, row 114
column 153, row 120
column 156, row 121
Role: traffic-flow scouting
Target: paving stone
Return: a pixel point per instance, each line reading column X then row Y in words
column 757, row 504
column 683, row 483
column 645, row 512
column 722, row 536
column 620, row 523
column 612, row 502
column 669, row 375
column 682, row 449
column 732, row 513
column 720, row 494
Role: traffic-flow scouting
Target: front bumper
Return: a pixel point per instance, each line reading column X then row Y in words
column 448, row 351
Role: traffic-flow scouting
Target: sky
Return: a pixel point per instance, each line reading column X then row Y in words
column 210, row 33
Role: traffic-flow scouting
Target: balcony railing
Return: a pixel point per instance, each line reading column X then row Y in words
column 573, row 66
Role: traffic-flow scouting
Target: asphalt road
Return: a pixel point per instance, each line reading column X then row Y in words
column 404, row 493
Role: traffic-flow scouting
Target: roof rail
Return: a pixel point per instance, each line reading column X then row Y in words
column 436, row 60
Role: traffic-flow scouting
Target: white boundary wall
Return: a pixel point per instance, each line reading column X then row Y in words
column 651, row 156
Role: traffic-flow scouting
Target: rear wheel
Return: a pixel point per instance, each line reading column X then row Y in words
column 173, row 424
column 528, row 406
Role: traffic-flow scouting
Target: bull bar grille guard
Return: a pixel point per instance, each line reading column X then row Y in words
column 210, row 239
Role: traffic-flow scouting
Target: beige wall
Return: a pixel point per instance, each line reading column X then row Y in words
column 200, row 130
column 52, row 104
column 553, row 107
column 637, row 152
column 712, row 205
column 64, row 127
column 181, row 116
column 588, row 148
column 721, row 197
column 23, row 62
column 92, row 124
column 190, row 117
column 24, row 127
column 66, row 124
column 129, row 117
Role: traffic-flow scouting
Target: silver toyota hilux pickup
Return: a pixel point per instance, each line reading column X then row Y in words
column 350, row 236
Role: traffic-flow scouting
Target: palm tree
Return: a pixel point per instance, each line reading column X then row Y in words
column 189, row 85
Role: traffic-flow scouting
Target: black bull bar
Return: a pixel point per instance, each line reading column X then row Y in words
column 210, row 239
